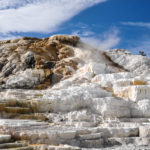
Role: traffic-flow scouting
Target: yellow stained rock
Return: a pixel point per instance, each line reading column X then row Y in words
column 38, row 54
column 138, row 82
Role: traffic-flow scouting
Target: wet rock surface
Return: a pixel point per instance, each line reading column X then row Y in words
column 59, row 93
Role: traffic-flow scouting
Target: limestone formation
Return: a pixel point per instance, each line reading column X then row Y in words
column 59, row 93
column 32, row 63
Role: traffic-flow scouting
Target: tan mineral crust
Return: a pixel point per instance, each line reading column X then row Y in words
column 59, row 93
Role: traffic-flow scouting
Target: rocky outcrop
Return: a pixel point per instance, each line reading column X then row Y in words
column 36, row 63
column 130, row 62
column 60, row 93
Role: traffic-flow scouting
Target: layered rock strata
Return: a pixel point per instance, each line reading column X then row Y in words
column 60, row 93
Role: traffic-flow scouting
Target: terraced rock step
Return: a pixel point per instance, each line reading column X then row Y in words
column 138, row 120
column 34, row 116
column 53, row 147
column 6, row 142
column 41, row 132
column 17, row 110
column 20, row 148
column 5, row 138
column 10, row 145
column 2, row 104
column 13, row 123
column 91, row 136
column 92, row 143
column 14, row 103
column 113, row 143
column 139, row 141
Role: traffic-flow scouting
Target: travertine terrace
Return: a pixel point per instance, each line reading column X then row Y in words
column 59, row 93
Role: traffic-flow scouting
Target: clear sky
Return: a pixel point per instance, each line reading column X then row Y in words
column 106, row 24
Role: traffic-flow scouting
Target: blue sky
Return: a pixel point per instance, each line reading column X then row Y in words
column 106, row 24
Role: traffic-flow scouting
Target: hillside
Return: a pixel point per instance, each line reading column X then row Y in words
column 61, row 93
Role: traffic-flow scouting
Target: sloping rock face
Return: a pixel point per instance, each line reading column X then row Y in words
column 36, row 63
column 60, row 93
